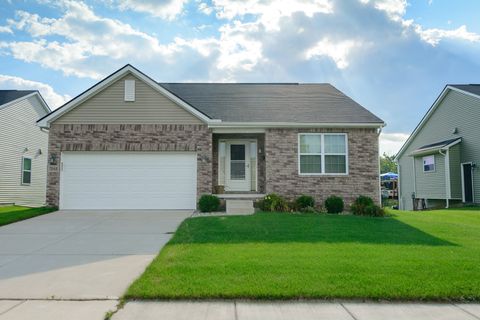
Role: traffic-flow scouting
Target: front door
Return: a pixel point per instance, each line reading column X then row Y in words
column 467, row 182
column 237, row 166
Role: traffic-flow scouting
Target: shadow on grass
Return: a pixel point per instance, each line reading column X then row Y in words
column 283, row 227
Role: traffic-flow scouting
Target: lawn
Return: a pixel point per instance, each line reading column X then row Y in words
column 11, row 214
column 432, row 255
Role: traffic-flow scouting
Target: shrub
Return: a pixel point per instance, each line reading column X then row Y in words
column 208, row 203
column 334, row 204
column 303, row 202
column 374, row 211
column 308, row 210
column 273, row 202
column 364, row 206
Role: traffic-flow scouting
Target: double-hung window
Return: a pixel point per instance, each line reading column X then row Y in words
column 429, row 164
column 26, row 170
column 323, row 153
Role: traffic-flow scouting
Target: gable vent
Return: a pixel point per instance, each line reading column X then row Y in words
column 129, row 90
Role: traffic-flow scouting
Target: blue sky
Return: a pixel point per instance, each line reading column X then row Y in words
column 392, row 56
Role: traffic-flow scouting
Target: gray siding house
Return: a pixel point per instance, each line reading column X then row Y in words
column 438, row 163
column 130, row 142
column 23, row 148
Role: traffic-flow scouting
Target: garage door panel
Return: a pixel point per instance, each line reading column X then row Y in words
column 124, row 180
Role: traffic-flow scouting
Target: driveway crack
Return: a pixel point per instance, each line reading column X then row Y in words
column 13, row 307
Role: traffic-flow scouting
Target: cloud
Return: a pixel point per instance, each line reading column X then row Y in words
column 165, row 9
column 5, row 29
column 390, row 143
column 338, row 52
column 433, row 36
column 53, row 99
column 205, row 8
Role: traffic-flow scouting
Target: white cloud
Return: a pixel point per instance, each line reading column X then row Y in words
column 434, row 36
column 395, row 9
column 270, row 11
column 5, row 29
column 53, row 99
column 338, row 52
column 390, row 143
column 205, row 8
column 165, row 9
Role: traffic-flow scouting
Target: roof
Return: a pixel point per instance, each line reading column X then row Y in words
column 436, row 146
column 472, row 88
column 272, row 102
column 247, row 104
column 7, row 96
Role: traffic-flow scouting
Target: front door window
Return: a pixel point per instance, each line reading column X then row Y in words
column 237, row 162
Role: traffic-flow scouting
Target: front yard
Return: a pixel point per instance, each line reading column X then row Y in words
column 431, row 255
column 11, row 214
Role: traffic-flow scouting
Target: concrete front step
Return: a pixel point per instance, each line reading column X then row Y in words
column 235, row 206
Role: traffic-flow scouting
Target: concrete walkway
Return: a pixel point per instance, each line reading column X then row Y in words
column 77, row 255
column 296, row 310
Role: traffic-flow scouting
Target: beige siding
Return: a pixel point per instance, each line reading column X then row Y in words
column 109, row 107
column 18, row 131
column 456, row 110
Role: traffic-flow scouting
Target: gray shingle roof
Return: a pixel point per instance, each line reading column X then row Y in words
column 472, row 88
column 9, row 95
column 263, row 102
column 439, row 144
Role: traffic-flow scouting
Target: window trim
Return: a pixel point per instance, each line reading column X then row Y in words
column 23, row 171
column 322, row 153
column 434, row 164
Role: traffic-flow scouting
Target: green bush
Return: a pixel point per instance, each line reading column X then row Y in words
column 364, row 206
column 303, row 202
column 374, row 211
column 273, row 202
column 208, row 203
column 334, row 204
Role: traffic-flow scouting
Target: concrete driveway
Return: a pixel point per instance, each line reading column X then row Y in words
column 81, row 254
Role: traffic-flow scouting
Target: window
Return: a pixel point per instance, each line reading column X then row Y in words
column 429, row 164
column 26, row 170
column 322, row 153
column 129, row 90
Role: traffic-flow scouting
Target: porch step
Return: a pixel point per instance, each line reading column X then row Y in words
column 235, row 206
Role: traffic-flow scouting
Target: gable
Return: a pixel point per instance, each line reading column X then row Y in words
column 109, row 107
column 455, row 110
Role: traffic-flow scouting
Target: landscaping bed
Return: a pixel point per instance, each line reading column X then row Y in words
column 11, row 214
column 433, row 255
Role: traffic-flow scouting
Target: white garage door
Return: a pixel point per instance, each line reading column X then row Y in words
column 128, row 180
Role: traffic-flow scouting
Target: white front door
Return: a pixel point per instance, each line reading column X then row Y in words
column 238, row 177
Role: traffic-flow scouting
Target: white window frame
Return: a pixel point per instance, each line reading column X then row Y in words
column 322, row 153
column 23, row 170
column 434, row 164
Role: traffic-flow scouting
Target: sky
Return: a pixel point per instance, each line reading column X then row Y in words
column 394, row 57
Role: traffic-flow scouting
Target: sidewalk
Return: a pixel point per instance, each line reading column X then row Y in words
column 242, row 310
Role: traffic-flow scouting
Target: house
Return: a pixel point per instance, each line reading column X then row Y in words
column 437, row 164
column 130, row 142
column 23, row 148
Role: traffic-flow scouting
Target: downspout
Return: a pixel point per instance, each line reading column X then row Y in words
column 399, row 189
column 379, row 172
column 447, row 177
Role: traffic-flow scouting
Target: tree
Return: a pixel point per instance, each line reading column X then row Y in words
column 387, row 164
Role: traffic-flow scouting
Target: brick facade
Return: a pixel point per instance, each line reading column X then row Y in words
column 281, row 146
column 278, row 160
column 130, row 137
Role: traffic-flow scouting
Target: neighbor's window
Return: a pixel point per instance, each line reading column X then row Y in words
column 323, row 153
column 429, row 164
column 26, row 170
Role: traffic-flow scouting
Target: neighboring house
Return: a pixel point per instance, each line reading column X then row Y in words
column 438, row 163
column 130, row 142
column 23, row 148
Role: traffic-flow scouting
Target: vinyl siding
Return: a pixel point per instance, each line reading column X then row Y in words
column 455, row 172
column 431, row 185
column 18, row 131
column 109, row 107
column 456, row 110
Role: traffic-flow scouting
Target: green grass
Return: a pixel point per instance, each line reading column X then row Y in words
column 11, row 214
column 432, row 255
